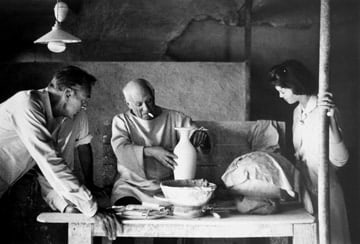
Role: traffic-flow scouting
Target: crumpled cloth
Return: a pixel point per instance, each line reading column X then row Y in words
column 260, row 174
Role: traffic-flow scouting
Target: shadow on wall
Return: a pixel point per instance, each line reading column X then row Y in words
column 26, row 76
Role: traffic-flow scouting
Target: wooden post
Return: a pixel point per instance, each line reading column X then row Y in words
column 323, row 174
column 79, row 233
column 247, row 53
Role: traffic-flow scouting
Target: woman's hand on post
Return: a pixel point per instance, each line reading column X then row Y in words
column 326, row 100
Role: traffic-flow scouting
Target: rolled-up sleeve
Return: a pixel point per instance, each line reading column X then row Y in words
column 51, row 197
column 338, row 152
column 31, row 126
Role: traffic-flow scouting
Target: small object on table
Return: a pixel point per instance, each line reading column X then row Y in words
column 137, row 211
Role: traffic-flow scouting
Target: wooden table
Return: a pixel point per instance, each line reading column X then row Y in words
column 296, row 223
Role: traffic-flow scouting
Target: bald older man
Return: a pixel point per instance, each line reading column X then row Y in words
column 143, row 139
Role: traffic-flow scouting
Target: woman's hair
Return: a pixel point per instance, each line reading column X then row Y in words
column 294, row 75
column 71, row 76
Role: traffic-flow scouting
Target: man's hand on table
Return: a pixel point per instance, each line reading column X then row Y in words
column 109, row 222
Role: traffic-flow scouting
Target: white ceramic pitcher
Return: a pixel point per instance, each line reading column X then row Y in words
column 186, row 155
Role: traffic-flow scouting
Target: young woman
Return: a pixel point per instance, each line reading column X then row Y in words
column 295, row 84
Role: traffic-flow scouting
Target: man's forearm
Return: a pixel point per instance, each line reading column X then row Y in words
column 148, row 152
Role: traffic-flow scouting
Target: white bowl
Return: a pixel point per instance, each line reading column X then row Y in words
column 192, row 193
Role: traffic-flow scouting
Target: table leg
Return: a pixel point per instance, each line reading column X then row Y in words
column 305, row 234
column 79, row 233
column 105, row 240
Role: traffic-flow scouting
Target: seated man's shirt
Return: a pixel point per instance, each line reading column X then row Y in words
column 139, row 176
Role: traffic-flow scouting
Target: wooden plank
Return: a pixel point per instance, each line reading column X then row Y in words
column 55, row 217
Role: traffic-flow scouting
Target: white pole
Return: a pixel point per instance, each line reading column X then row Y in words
column 323, row 180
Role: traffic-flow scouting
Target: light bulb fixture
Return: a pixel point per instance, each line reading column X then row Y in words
column 56, row 47
column 57, row 38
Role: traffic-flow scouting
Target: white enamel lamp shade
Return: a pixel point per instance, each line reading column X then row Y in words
column 57, row 38
column 57, row 34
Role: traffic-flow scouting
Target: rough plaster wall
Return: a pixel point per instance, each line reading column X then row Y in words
column 143, row 29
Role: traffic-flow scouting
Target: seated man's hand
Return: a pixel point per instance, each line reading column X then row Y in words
column 109, row 221
column 200, row 138
column 162, row 155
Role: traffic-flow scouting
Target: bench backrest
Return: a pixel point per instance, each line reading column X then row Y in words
column 229, row 139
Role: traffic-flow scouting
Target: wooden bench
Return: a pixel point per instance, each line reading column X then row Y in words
column 229, row 140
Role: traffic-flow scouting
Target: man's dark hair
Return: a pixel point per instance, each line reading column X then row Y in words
column 71, row 76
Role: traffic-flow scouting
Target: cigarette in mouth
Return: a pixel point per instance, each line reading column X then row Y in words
column 151, row 115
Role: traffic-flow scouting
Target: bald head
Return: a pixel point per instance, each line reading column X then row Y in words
column 139, row 96
column 137, row 86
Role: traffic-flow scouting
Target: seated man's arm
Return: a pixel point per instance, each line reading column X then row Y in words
column 162, row 155
column 127, row 153
column 132, row 155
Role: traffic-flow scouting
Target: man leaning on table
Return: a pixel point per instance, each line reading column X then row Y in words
column 29, row 122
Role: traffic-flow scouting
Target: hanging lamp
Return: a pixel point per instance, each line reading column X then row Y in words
column 57, row 38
